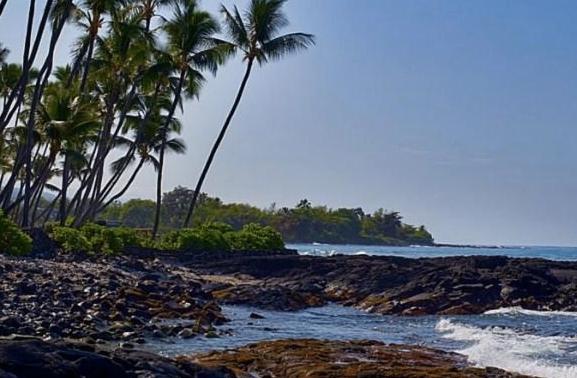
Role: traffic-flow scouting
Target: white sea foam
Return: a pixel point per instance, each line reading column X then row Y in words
column 506, row 349
column 520, row 310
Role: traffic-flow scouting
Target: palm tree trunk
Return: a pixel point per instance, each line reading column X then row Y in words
column 27, row 62
column 48, row 211
column 2, row 5
column 158, row 194
column 25, row 68
column 164, row 135
column 87, row 65
column 38, row 91
column 217, row 143
column 126, row 186
column 63, row 190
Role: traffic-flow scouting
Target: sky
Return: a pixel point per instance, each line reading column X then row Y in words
column 462, row 115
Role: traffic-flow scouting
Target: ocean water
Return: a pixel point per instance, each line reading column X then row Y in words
column 542, row 344
column 550, row 253
column 530, row 342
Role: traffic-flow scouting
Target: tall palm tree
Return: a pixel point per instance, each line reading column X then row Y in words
column 192, row 48
column 257, row 36
column 60, row 14
column 115, row 70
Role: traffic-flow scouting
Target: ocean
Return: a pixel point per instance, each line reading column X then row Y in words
column 549, row 253
column 542, row 344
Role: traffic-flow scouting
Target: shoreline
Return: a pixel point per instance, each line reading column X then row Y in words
column 118, row 303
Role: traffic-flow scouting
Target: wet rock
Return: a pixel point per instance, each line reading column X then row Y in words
column 186, row 333
column 346, row 359
column 254, row 315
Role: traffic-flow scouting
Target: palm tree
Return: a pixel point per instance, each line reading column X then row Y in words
column 115, row 74
column 147, row 142
column 257, row 36
column 69, row 122
column 192, row 48
column 60, row 14
column 148, row 10
column 90, row 19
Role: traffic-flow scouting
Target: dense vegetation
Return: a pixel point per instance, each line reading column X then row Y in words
column 96, row 239
column 84, row 131
column 12, row 240
column 303, row 223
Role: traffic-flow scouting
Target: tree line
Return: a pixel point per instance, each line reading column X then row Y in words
column 302, row 223
column 83, row 131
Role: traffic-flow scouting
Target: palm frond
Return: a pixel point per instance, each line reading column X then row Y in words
column 235, row 27
column 266, row 18
column 279, row 47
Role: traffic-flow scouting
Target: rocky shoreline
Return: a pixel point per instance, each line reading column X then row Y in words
column 109, row 306
column 34, row 358
column 394, row 285
column 118, row 299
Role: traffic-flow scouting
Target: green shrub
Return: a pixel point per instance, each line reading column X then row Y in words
column 70, row 240
column 109, row 241
column 94, row 238
column 255, row 237
column 13, row 241
column 205, row 239
column 134, row 237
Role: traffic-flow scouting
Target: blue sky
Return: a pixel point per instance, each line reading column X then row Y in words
column 460, row 114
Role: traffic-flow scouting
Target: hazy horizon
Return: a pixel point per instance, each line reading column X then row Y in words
column 459, row 115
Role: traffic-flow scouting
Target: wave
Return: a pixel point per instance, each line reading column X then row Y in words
column 506, row 349
column 517, row 310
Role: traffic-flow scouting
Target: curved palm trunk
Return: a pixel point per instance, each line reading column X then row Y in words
column 164, row 135
column 87, row 64
column 18, row 91
column 63, row 191
column 217, row 144
column 2, row 5
column 41, row 82
column 126, row 186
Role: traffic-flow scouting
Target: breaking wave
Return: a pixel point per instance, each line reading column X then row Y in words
column 521, row 311
column 508, row 349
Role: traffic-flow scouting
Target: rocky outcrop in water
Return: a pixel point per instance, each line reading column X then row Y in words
column 344, row 359
column 393, row 285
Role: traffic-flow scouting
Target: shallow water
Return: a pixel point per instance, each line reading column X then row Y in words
column 550, row 253
column 530, row 342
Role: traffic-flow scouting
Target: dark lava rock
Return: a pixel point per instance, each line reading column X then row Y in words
column 37, row 359
column 61, row 297
column 394, row 285
column 34, row 358
column 344, row 359
column 42, row 245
